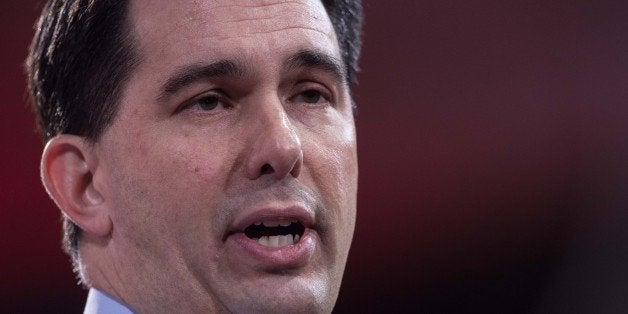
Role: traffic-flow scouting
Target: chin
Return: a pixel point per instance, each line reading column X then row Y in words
column 295, row 295
column 285, row 305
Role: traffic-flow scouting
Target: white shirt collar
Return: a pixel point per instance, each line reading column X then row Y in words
column 100, row 303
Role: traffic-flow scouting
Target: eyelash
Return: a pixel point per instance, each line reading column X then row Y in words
column 218, row 96
column 214, row 96
column 320, row 92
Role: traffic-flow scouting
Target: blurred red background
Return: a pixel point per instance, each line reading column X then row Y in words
column 493, row 163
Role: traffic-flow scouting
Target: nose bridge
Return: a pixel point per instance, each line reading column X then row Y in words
column 277, row 148
column 279, row 131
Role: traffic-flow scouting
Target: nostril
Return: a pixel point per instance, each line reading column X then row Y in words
column 266, row 169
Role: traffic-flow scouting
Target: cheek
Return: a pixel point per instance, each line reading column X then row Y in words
column 332, row 160
column 164, row 186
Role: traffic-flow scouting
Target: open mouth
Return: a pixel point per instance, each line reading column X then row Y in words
column 275, row 233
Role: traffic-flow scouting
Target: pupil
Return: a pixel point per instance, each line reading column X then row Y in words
column 311, row 96
column 208, row 103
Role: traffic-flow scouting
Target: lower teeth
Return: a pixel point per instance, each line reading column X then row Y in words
column 279, row 240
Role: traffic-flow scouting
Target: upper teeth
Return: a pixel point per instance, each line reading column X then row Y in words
column 275, row 223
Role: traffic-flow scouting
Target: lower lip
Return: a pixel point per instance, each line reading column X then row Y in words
column 290, row 256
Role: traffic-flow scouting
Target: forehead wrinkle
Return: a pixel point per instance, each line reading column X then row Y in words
column 262, row 9
column 291, row 28
column 255, row 20
column 259, row 19
column 263, row 5
column 228, row 11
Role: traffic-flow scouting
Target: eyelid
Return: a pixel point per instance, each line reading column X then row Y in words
column 219, row 94
column 306, row 85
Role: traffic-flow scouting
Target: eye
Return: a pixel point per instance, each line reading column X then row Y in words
column 312, row 97
column 208, row 102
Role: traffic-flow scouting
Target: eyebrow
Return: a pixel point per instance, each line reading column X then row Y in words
column 193, row 73
column 229, row 68
column 318, row 60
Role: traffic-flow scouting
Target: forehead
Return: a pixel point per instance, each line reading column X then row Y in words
column 192, row 29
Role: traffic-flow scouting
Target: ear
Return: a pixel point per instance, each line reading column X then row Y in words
column 68, row 165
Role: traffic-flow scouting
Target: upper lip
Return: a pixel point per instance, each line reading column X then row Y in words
column 304, row 215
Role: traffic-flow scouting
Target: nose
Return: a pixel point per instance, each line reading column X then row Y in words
column 276, row 149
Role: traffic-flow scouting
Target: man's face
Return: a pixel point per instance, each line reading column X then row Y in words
column 238, row 114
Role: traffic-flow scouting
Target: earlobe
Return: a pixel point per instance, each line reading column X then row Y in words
column 67, row 170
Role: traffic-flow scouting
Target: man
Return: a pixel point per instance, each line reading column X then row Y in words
column 202, row 153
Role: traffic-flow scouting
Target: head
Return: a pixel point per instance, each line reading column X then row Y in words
column 174, row 130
